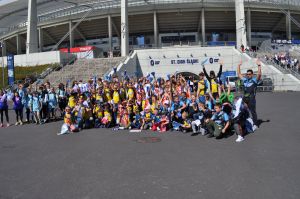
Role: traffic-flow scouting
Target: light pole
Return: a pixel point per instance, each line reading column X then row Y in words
column 2, row 46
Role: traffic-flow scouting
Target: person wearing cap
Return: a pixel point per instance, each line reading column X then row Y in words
column 250, row 83
column 214, row 81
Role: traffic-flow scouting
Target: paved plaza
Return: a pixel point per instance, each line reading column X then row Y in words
column 35, row 163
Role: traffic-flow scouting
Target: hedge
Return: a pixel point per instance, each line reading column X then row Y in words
column 22, row 72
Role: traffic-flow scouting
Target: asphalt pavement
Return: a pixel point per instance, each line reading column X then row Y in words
column 35, row 163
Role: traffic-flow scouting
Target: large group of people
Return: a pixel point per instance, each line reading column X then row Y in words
column 205, row 106
column 285, row 60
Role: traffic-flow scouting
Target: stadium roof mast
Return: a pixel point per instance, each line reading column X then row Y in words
column 241, row 38
column 124, row 28
column 32, row 39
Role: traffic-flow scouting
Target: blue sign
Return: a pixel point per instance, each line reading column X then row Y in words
column 11, row 69
column 229, row 73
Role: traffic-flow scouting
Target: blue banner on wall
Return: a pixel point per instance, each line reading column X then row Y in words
column 11, row 69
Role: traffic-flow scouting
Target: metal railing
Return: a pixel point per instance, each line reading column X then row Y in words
column 270, row 61
column 111, row 4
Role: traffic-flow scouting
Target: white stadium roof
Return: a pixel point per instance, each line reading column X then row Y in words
column 173, row 16
column 14, row 12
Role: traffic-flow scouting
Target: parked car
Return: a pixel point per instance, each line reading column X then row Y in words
column 231, row 80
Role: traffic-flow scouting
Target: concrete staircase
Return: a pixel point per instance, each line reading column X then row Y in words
column 83, row 69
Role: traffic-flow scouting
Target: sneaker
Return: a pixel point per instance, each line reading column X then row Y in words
column 7, row 125
column 1, row 125
column 239, row 139
column 17, row 123
column 210, row 136
column 21, row 123
column 254, row 127
column 220, row 136
column 203, row 132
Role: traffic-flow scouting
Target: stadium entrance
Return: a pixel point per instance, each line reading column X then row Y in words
column 188, row 76
column 177, row 38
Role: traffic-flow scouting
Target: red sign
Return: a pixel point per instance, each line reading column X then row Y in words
column 78, row 49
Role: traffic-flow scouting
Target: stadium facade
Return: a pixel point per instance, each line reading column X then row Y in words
column 143, row 23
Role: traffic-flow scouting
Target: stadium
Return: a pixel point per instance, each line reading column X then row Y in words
column 123, row 99
column 58, row 30
column 158, row 23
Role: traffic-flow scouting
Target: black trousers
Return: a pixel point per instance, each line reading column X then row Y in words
column 2, row 112
column 44, row 111
column 19, row 114
column 252, row 108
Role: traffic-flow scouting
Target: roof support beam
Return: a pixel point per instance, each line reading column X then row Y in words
column 115, row 28
column 78, row 30
column 47, row 34
column 278, row 24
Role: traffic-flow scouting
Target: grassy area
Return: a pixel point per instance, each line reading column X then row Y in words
column 22, row 72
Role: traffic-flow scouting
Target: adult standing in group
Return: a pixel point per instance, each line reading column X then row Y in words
column 250, row 83
column 214, row 80
column 3, row 108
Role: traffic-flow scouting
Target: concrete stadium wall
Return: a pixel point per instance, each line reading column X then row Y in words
column 40, row 58
column 186, row 59
column 165, row 61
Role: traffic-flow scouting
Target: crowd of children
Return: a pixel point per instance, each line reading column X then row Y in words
column 205, row 106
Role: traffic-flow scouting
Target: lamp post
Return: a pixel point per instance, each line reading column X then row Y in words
column 2, row 46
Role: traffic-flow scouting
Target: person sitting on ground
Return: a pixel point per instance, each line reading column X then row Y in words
column 156, row 119
column 137, row 119
column 186, row 124
column 125, row 120
column 98, row 114
column 218, row 124
column 107, row 119
column 146, row 119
